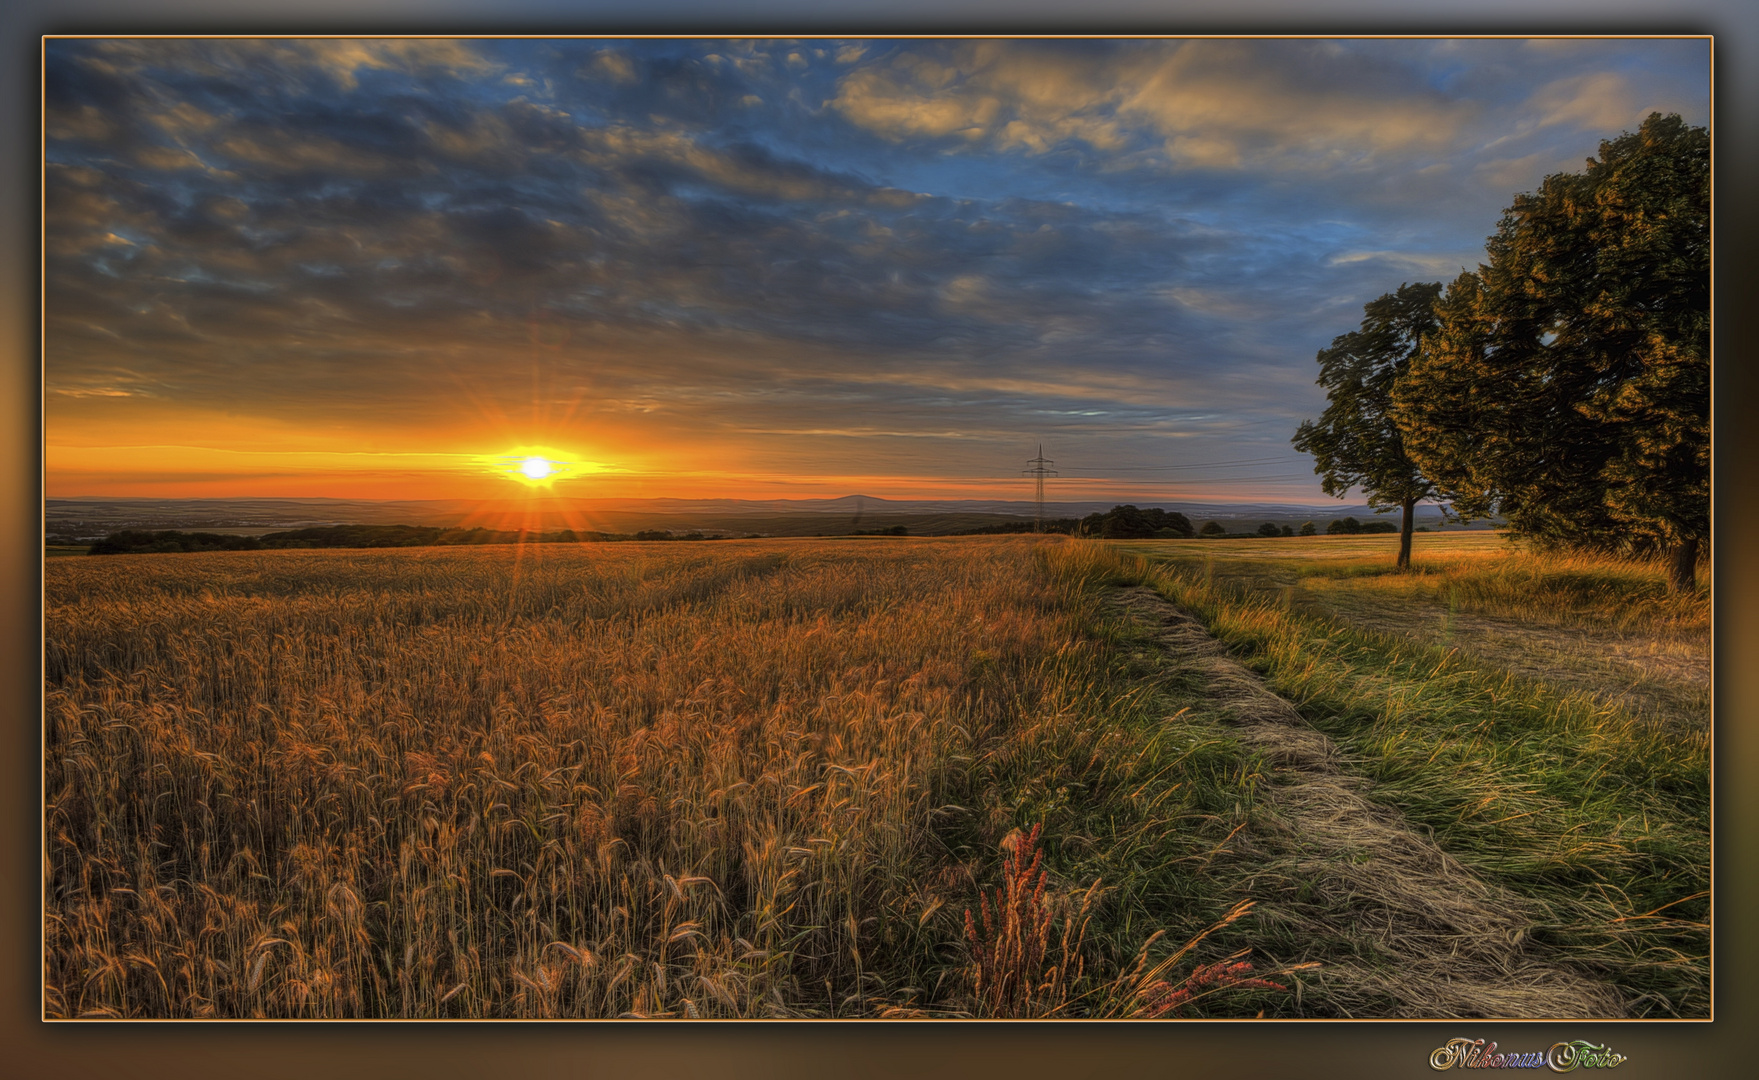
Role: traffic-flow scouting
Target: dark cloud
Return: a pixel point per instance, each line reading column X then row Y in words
column 1124, row 245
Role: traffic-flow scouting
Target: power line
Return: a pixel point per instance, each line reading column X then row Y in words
column 1203, row 465
column 1151, row 482
column 1188, row 479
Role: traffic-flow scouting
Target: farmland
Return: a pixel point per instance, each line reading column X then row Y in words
column 813, row 779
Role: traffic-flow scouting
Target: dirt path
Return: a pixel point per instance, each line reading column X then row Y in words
column 1429, row 939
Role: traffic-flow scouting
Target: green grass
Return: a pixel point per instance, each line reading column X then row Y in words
column 1599, row 817
column 1468, row 571
column 1597, row 625
column 1139, row 786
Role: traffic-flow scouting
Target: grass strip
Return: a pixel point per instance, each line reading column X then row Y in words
column 1598, row 818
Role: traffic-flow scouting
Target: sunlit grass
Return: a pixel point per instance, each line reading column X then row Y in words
column 1468, row 571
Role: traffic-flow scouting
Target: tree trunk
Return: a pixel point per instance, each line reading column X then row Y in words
column 1682, row 567
column 1410, row 506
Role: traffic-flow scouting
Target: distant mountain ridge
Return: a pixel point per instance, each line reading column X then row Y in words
column 96, row 516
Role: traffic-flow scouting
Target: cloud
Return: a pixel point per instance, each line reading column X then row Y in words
column 611, row 64
column 289, row 62
column 84, row 122
column 94, row 391
column 1201, row 104
column 1523, row 173
column 668, row 243
column 1218, row 302
column 905, row 100
column 1599, row 101
column 1428, row 265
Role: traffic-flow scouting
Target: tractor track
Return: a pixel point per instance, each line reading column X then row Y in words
column 1427, row 934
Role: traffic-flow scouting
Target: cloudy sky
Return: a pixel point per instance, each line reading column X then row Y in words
column 397, row 268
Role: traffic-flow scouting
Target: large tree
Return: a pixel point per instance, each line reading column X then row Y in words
column 1356, row 442
column 1568, row 385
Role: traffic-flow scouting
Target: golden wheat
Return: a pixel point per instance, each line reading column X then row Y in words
column 552, row 781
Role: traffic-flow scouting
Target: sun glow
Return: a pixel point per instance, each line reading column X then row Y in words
column 539, row 466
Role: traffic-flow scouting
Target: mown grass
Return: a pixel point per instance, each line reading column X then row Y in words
column 767, row 779
column 1598, row 817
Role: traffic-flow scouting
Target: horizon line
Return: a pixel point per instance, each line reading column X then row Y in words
column 1026, row 502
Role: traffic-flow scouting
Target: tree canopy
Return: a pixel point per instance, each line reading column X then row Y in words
column 1132, row 523
column 1356, row 442
column 1567, row 386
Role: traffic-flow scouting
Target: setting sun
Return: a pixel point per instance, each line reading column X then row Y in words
column 538, row 466
column 535, row 468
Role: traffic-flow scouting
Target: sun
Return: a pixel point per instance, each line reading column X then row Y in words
column 537, row 467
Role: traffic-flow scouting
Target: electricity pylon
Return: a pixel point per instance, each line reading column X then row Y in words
column 1038, row 472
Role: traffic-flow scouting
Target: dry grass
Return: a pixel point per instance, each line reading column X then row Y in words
column 738, row 780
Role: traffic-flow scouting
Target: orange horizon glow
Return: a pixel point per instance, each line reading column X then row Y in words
column 388, row 488
column 262, row 458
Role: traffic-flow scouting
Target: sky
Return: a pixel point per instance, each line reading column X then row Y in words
column 404, row 268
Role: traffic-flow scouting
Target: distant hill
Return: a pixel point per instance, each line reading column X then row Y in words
column 87, row 519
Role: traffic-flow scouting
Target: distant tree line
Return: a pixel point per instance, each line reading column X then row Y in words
column 1351, row 527
column 1118, row 523
column 1564, row 385
column 1215, row 530
column 138, row 541
column 1131, row 523
column 1067, row 526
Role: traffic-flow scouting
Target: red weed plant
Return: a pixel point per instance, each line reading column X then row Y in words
column 1014, row 974
column 1011, row 977
column 1162, row 999
column 1149, row 995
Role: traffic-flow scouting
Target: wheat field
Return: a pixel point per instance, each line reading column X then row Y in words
column 706, row 780
column 838, row 778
